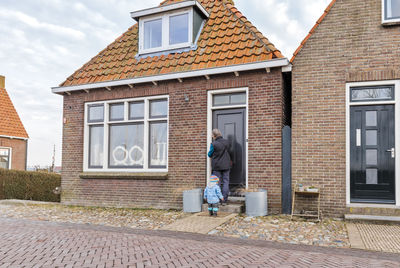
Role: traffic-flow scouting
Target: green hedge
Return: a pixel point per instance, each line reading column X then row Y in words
column 27, row 185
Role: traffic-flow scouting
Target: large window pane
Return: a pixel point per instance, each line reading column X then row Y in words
column 158, row 144
column 96, row 138
column 136, row 110
column 96, row 113
column 158, row 108
column 179, row 29
column 372, row 93
column 392, row 9
column 117, row 112
column 126, row 146
column 152, row 34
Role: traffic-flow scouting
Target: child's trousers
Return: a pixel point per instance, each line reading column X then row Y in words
column 213, row 209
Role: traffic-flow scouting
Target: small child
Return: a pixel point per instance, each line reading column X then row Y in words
column 212, row 194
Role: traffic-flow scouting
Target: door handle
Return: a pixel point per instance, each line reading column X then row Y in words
column 391, row 151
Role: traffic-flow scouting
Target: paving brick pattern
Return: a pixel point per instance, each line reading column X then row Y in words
column 44, row 244
column 380, row 237
column 200, row 223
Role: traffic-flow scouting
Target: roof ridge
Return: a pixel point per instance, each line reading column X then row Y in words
column 311, row 32
column 257, row 34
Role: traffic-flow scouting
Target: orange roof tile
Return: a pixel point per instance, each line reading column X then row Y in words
column 326, row 11
column 226, row 39
column 10, row 123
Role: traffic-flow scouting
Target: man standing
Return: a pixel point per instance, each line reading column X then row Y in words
column 220, row 161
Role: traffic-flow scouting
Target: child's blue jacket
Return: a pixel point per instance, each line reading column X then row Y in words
column 213, row 194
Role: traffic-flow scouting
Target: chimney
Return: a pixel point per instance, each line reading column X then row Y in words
column 2, row 82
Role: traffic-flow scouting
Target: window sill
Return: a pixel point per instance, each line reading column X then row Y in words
column 391, row 22
column 125, row 175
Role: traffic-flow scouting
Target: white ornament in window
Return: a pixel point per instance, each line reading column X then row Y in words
column 128, row 155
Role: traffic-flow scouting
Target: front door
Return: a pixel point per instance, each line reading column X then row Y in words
column 372, row 155
column 231, row 123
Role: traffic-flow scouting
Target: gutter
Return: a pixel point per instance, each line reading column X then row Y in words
column 281, row 62
column 13, row 137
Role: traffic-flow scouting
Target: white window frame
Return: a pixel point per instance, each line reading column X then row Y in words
column 106, row 123
column 9, row 155
column 211, row 108
column 396, row 103
column 165, row 31
column 384, row 19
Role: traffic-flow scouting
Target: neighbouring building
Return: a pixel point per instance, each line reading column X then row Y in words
column 138, row 116
column 346, row 107
column 13, row 136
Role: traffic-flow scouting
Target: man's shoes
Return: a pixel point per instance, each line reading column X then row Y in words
column 223, row 203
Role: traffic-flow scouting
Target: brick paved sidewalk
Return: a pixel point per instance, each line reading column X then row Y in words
column 25, row 243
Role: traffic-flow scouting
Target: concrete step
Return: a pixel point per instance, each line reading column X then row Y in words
column 373, row 210
column 374, row 218
column 231, row 207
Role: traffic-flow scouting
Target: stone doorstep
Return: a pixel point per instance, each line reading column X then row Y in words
column 377, row 210
column 238, row 208
column 372, row 218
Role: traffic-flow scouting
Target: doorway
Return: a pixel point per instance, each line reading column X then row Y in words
column 227, row 111
column 372, row 154
column 232, row 123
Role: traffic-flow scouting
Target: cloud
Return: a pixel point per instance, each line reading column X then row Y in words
column 36, row 24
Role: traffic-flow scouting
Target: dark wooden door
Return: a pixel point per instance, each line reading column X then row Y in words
column 232, row 125
column 372, row 155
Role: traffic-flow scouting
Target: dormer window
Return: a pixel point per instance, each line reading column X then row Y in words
column 390, row 11
column 169, row 27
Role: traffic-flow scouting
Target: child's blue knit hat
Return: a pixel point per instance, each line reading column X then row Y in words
column 214, row 178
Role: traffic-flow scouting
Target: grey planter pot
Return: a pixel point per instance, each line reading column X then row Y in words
column 192, row 200
column 256, row 203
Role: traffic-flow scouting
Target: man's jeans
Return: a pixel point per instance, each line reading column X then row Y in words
column 223, row 176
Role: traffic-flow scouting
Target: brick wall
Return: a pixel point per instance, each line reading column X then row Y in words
column 187, row 142
column 18, row 154
column 350, row 45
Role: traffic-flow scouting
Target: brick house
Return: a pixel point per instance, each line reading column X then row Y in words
column 138, row 116
column 13, row 136
column 346, row 79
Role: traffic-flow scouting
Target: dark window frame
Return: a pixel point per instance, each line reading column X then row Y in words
column 129, row 110
column 158, row 116
column 88, row 113
column 109, row 111
column 90, row 142
column 149, row 148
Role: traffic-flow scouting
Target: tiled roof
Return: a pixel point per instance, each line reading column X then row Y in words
column 313, row 30
column 227, row 38
column 10, row 123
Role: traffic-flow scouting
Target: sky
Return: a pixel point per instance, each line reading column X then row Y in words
column 44, row 41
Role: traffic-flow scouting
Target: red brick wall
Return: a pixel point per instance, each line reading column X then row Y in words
column 350, row 45
column 187, row 142
column 18, row 155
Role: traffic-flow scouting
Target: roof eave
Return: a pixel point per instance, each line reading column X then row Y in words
column 281, row 62
column 165, row 8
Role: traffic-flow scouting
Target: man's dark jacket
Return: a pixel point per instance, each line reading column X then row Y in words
column 220, row 157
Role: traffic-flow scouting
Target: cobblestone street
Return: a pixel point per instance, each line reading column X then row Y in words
column 26, row 243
